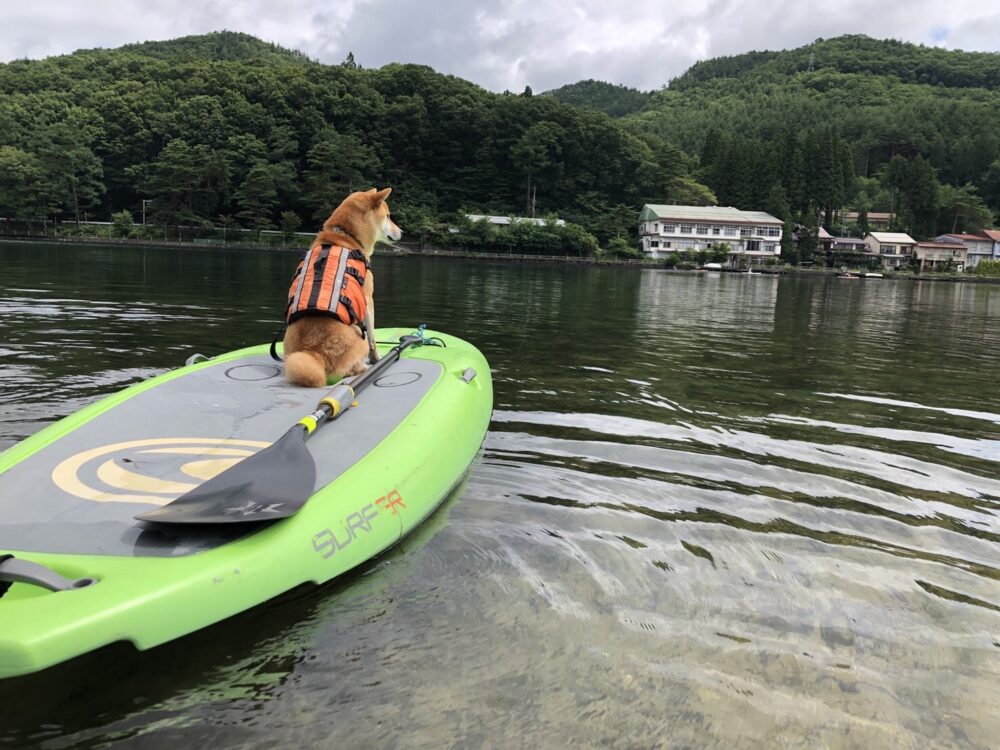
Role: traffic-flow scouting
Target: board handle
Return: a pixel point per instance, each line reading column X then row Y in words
column 13, row 570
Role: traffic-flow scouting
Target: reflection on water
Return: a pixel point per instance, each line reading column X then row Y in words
column 712, row 511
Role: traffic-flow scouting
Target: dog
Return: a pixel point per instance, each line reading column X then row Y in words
column 327, row 335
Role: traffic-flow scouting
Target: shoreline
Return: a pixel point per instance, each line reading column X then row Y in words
column 402, row 250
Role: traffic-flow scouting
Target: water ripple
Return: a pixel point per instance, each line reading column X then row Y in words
column 731, row 512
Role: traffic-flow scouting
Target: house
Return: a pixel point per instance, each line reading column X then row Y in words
column 848, row 245
column 876, row 219
column 752, row 236
column 979, row 246
column 824, row 239
column 508, row 220
column 941, row 256
column 851, row 251
column 894, row 248
column 994, row 234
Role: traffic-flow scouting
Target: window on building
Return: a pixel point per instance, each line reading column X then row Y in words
column 773, row 231
column 702, row 229
column 669, row 228
column 730, row 231
column 685, row 229
column 745, row 231
column 666, row 244
column 654, row 243
column 716, row 230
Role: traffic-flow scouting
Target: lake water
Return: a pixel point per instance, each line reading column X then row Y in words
column 711, row 511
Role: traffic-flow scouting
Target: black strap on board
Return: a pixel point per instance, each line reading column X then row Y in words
column 274, row 343
column 4, row 585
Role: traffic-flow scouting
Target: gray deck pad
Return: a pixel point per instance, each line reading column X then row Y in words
column 79, row 494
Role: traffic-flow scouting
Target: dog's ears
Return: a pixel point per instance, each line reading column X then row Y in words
column 380, row 196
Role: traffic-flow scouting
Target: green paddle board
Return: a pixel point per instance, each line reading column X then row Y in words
column 78, row 571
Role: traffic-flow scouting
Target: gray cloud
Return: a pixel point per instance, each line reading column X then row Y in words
column 505, row 44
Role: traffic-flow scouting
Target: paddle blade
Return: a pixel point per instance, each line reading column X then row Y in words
column 270, row 484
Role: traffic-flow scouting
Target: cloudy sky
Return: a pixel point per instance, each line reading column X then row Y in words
column 504, row 44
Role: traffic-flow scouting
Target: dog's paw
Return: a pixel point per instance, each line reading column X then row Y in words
column 373, row 356
column 359, row 367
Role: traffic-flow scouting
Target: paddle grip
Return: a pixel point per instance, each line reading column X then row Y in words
column 337, row 400
column 341, row 397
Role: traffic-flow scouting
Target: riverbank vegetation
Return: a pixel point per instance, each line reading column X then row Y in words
column 988, row 268
column 225, row 131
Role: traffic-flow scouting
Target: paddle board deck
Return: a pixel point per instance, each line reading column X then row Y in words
column 69, row 494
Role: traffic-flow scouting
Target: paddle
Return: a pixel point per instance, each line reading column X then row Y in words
column 275, row 482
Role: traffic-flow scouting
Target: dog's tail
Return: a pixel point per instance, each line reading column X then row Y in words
column 305, row 368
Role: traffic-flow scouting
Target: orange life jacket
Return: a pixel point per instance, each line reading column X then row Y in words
column 330, row 280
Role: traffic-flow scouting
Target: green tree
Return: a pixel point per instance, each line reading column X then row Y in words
column 536, row 153
column 336, row 165
column 919, row 198
column 789, row 249
column 962, row 210
column 25, row 193
column 827, row 158
column 808, row 238
column 863, row 224
column 619, row 247
column 777, row 203
column 257, row 196
column 74, row 171
column 991, row 186
column 182, row 183
column 121, row 223
column 290, row 223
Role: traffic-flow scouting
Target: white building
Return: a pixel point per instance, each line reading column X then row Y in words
column 936, row 256
column 508, row 220
column 894, row 248
column 994, row 234
column 752, row 236
column 979, row 246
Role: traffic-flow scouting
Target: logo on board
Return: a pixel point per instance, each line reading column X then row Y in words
column 153, row 471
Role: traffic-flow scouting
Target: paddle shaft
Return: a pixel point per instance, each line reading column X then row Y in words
column 278, row 480
column 341, row 397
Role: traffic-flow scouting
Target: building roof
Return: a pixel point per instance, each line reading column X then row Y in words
column 823, row 234
column 871, row 215
column 966, row 237
column 708, row 214
column 993, row 234
column 892, row 237
column 941, row 246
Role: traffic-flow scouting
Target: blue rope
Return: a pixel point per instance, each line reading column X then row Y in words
column 424, row 338
column 428, row 340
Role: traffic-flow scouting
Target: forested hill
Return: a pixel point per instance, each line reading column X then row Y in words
column 907, row 63
column 220, row 45
column 846, row 122
column 224, row 128
column 614, row 99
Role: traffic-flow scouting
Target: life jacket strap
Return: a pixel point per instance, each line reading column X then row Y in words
column 346, row 302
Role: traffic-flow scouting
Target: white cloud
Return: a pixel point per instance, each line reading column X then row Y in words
column 498, row 44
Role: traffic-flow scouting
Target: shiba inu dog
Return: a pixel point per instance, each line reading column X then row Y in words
column 331, row 313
